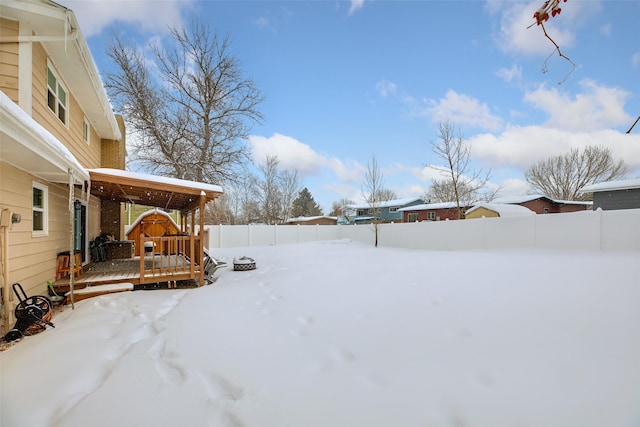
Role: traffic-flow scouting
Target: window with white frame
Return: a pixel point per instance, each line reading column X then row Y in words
column 431, row 215
column 412, row 217
column 86, row 131
column 40, row 209
column 57, row 98
column 393, row 209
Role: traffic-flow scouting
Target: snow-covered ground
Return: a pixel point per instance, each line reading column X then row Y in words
column 333, row 334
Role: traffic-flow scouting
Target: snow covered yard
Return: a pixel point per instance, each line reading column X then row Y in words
column 333, row 334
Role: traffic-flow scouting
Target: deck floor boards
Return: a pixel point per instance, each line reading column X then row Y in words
column 123, row 271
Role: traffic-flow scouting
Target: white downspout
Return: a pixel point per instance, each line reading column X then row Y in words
column 72, row 258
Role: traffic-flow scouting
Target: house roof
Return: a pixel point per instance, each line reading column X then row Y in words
column 30, row 147
column 430, row 206
column 311, row 218
column 57, row 28
column 529, row 197
column 145, row 214
column 520, row 199
column 624, row 184
column 151, row 190
column 386, row 203
column 503, row 209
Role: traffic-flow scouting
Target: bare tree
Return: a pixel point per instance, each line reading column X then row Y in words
column 187, row 103
column 385, row 194
column 443, row 190
column 276, row 191
column 464, row 183
column 562, row 177
column 290, row 185
column 338, row 208
column 371, row 190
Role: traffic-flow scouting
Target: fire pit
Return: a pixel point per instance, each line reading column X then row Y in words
column 243, row 264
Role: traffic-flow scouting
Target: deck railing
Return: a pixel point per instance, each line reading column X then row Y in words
column 169, row 258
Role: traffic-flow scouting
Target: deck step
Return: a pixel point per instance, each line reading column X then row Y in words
column 94, row 291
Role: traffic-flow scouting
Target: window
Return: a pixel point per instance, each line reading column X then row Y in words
column 40, row 209
column 362, row 212
column 412, row 217
column 56, row 95
column 86, row 130
column 431, row 215
column 393, row 210
column 545, row 210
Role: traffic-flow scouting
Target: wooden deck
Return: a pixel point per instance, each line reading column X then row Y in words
column 127, row 271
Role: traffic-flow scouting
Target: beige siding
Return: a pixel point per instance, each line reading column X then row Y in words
column 9, row 60
column 87, row 155
column 482, row 212
column 32, row 260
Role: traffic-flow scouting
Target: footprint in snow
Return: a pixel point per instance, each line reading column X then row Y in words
column 217, row 387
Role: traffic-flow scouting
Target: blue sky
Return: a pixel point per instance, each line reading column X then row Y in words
column 348, row 80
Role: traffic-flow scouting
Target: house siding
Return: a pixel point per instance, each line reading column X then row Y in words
column 440, row 214
column 482, row 212
column 87, row 154
column 9, row 60
column 32, row 260
column 617, row 199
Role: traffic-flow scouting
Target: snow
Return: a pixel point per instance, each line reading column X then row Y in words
column 344, row 334
column 159, row 179
column 624, row 184
column 42, row 138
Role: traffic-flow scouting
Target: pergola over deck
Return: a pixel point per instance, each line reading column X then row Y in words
column 188, row 197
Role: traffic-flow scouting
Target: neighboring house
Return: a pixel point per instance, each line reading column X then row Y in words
column 611, row 195
column 313, row 220
column 432, row 212
column 386, row 211
column 542, row 205
column 61, row 147
column 495, row 210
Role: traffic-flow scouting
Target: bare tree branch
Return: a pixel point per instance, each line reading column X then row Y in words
column 460, row 183
column 187, row 103
column 562, row 177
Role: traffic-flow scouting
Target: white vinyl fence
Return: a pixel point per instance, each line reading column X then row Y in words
column 589, row 230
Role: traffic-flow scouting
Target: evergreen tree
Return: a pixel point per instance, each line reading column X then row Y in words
column 305, row 205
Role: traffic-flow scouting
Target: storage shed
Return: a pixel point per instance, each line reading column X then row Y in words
column 494, row 210
column 152, row 223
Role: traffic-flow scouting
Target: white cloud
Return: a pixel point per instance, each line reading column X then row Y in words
column 511, row 75
column 295, row 155
column 513, row 187
column 635, row 59
column 95, row 15
column 515, row 35
column 462, row 110
column 524, row 146
column 386, row 88
column 597, row 107
column 263, row 22
column 355, row 5
column 428, row 173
